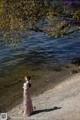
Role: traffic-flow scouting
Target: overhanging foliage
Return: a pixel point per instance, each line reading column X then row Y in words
column 18, row 17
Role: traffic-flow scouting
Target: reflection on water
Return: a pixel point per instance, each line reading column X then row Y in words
column 36, row 56
column 40, row 49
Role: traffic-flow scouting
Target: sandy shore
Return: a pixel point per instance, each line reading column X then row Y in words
column 60, row 103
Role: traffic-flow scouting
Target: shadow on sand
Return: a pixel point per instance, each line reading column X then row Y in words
column 45, row 110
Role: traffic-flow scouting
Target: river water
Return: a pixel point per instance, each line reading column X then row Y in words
column 41, row 50
column 39, row 56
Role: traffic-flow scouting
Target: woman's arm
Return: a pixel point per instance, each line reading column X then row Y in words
column 25, row 86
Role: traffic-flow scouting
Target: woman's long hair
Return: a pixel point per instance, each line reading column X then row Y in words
column 29, row 78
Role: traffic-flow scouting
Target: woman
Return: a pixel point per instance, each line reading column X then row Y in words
column 27, row 103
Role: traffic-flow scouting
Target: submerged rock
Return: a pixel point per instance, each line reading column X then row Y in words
column 76, row 61
column 73, row 71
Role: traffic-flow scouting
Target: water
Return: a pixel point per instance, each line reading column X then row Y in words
column 41, row 50
column 41, row 56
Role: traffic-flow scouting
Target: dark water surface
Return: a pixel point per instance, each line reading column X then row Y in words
column 41, row 49
column 39, row 56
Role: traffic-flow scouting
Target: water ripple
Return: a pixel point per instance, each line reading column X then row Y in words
column 40, row 48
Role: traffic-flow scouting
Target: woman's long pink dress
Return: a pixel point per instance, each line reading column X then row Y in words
column 27, row 103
